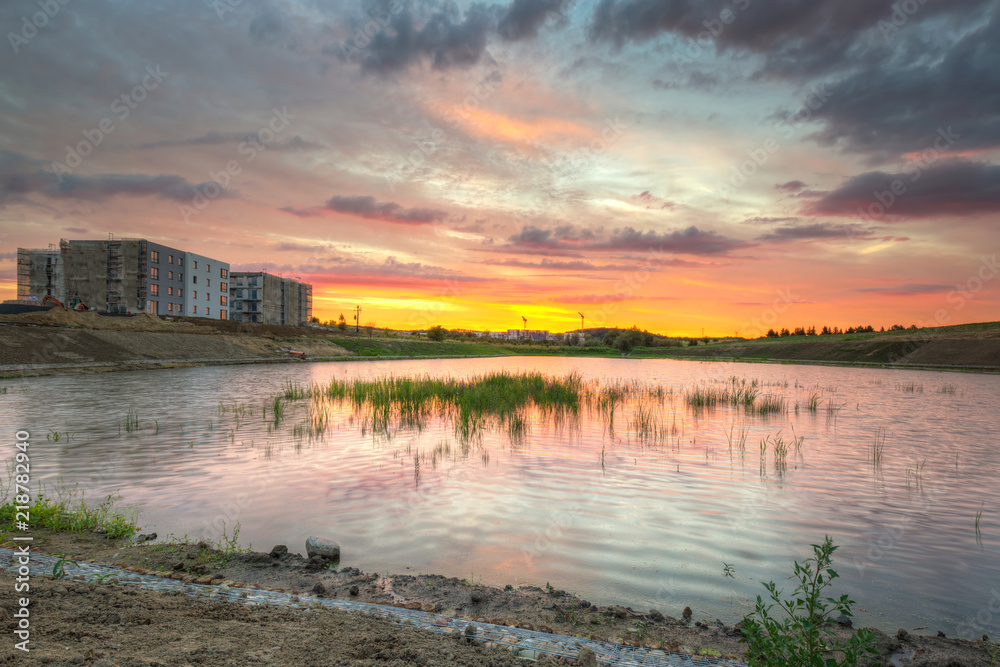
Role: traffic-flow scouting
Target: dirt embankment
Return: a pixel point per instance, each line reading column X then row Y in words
column 92, row 622
column 88, row 340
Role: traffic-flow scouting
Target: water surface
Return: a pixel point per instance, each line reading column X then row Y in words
column 615, row 516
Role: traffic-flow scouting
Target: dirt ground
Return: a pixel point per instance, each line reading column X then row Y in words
column 85, row 623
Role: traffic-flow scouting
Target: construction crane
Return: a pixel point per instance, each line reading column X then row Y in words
column 581, row 322
column 525, row 325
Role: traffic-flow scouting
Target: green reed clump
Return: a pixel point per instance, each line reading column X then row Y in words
column 769, row 404
column 277, row 410
column 877, row 448
column 131, row 421
column 473, row 403
column 814, row 402
column 647, row 424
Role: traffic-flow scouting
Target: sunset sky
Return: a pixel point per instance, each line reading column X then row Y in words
column 679, row 165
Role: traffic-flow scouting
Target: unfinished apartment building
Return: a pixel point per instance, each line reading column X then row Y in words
column 264, row 298
column 125, row 276
column 39, row 274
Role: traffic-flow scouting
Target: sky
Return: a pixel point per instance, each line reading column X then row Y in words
column 716, row 166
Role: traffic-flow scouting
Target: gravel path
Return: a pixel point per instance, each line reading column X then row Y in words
column 527, row 644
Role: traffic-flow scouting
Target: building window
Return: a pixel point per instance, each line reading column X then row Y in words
column 170, row 291
column 195, row 264
column 154, row 273
column 222, row 314
column 194, row 294
column 180, row 277
column 194, row 310
column 170, row 275
column 223, row 273
column 195, row 279
column 253, row 281
column 180, row 261
column 180, row 291
column 224, row 287
column 222, row 300
column 154, row 256
column 207, row 311
column 239, row 294
column 170, row 259
column 208, row 268
column 253, row 294
column 170, row 307
column 208, row 282
column 154, row 290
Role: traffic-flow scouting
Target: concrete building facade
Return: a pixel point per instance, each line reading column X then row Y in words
column 206, row 287
column 126, row 276
column 260, row 297
column 40, row 274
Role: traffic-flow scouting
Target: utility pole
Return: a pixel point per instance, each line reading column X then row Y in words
column 357, row 319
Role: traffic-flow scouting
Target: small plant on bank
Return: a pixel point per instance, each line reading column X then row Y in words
column 59, row 569
column 727, row 569
column 803, row 637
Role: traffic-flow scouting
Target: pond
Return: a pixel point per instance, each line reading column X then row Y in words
column 664, row 506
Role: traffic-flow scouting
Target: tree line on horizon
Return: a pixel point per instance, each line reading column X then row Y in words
column 830, row 331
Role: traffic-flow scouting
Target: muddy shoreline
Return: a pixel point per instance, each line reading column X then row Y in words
column 547, row 610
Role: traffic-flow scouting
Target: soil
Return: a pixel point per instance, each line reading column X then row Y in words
column 85, row 623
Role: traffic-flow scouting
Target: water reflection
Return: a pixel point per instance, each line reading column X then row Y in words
column 662, row 472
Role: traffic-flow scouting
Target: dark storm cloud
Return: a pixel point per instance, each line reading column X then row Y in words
column 445, row 38
column 892, row 108
column 21, row 176
column 790, row 186
column 524, row 18
column 797, row 37
column 956, row 188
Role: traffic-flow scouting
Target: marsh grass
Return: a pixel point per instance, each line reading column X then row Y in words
column 814, row 403
column 497, row 399
column 131, row 421
column 67, row 511
column 277, row 410
column 910, row 387
column 738, row 438
column 647, row 424
column 877, row 448
column 979, row 520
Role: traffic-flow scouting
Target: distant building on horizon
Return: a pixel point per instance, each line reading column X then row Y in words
column 263, row 298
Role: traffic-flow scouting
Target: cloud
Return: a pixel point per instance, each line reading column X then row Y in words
column 811, row 232
column 954, row 189
column 213, row 138
column 560, row 240
column 8, row 255
column 907, row 289
column 76, row 230
column 554, row 265
column 524, row 18
column 354, row 271
column 896, row 106
column 794, row 37
column 790, row 186
column 21, row 176
column 764, row 220
column 690, row 241
column 445, row 38
column 368, row 208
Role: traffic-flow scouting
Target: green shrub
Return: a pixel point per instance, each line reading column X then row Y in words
column 803, row 637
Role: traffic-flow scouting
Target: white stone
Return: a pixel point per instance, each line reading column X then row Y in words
column 320, row 546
